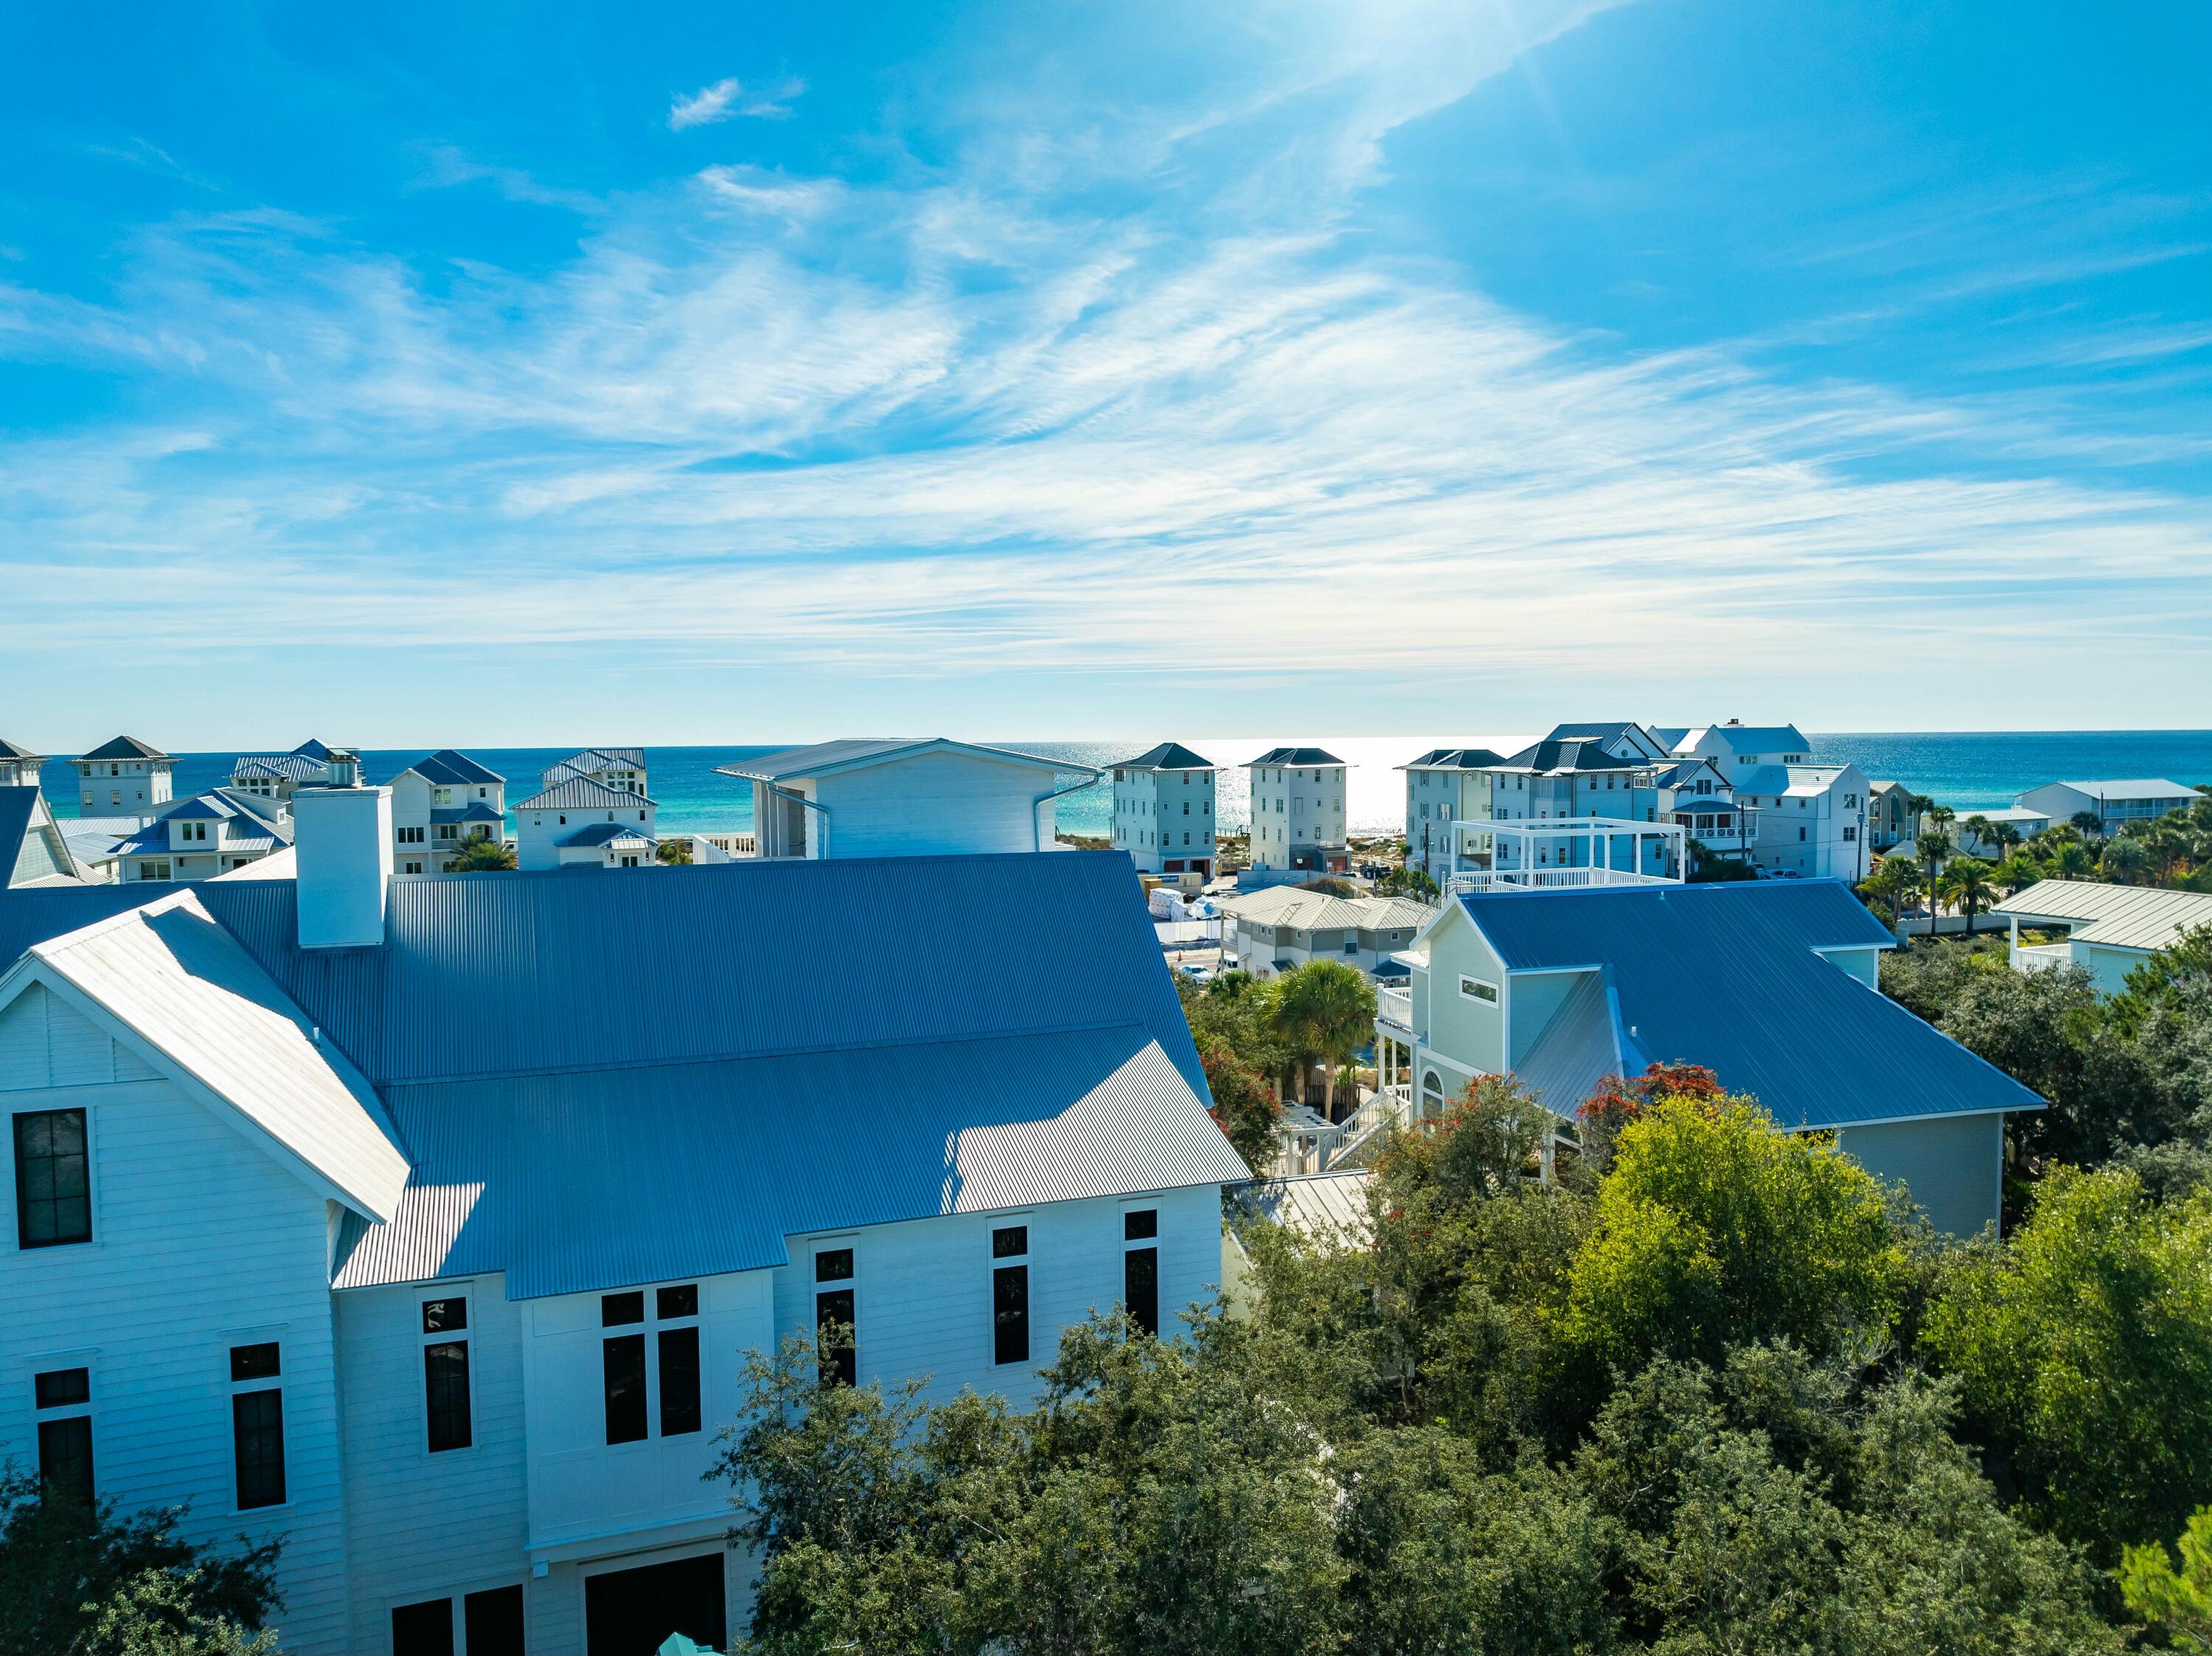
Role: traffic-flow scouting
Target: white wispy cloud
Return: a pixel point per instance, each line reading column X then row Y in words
column 967, row 425
column 727, row 100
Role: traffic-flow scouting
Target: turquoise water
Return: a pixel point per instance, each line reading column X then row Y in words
column 1969, row 770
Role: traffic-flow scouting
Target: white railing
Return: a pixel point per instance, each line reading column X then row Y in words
column 1547, row 879
column 1306, row 1143
column 738, row 845
column 1395, row 1008
column 2042, row 957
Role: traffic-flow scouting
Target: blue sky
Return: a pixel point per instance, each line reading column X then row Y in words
column 517, row 374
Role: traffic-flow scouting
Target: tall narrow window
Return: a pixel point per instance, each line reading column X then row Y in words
column 1010, row 1295
column 836, row 1336
column 622, row 1362
column 1140, row 1269
column 676, row 1350
column 256, row 1425
column 446, row 1373
column 53, row 1188
column 63, row 1398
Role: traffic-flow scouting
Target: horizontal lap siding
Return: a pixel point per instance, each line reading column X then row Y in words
column 200, row 1242
column 924, row 1288
column 426, row 1526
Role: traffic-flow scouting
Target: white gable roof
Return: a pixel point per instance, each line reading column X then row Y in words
column 169, row 975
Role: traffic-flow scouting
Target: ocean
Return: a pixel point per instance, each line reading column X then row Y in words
column 1968, row 770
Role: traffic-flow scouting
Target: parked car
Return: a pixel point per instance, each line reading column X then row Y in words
column 1196, row 973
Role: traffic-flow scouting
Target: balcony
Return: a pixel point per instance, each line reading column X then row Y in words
column 2042, row 957
column 1394, row 1011
column 1547, row 879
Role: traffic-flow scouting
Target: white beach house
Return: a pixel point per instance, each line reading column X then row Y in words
column 1164, row 813
column 422, row 1224
column 123, row 778
column 582, row 823
column 904, row 796
column 201, row 837
column 1298, row 810
column 19, row 766
column 2108, row 931
column 2113, row 803
column 441, row 801
column 1443, row 786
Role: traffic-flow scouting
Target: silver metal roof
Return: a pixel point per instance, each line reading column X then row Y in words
column 1323, row 1204
column 856, row 753
column 581, row 793
column 177, row 978
column 2119, row 916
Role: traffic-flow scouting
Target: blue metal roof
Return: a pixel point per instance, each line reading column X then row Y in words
column 775, row 1078
column 581, row 793
column 1295, row 756
column 293, row 767
column 477, row 810
column 448, row 768
column 602, row 834
column 1726, row 975
column 125, row 747
column 1168, row 757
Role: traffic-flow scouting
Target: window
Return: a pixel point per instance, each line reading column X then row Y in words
column 256, row 1424
column 63, row 1398
column 623, row 1367
column 1140, row 1269
column 53, row 1179
column 1010, row 1295
column 423, row 1630
column 411, row 835
column 836, row 1328
column 676, row 1348
column 491, row 1622
column 673, row 1350
column 1479, row 989
column 446, row 1373
column 410, row 867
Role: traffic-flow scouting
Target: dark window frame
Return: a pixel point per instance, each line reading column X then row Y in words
column 448, row 1399
column 41, row 1171
column 1140, row 1268
column 1010, row 1302
column 256, row 1445
column 64, row 1432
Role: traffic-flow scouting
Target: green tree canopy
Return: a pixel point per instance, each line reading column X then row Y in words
column 2084, row 1348
column 77, row 1579
column 481, row 853
column 1714, row 1230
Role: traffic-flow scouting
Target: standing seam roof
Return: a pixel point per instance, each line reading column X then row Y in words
column 1726, row 975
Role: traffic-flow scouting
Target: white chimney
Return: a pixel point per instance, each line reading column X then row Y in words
column 342, row 843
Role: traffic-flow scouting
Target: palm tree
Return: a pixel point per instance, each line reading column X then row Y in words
column 1921, row 805
column 1326, row 1009
column 1979, row 829
column 2016, row 873
column 1934, row 847
column 1967, row 882
column 481, row 854
column 2072, row 862
column 2123, row 860
column 2088, row 824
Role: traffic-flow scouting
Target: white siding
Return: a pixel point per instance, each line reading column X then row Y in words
column 931, row 805
column 923, row 1290
column 200, row 1242
column 429, row 1525
column 581, row 1486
